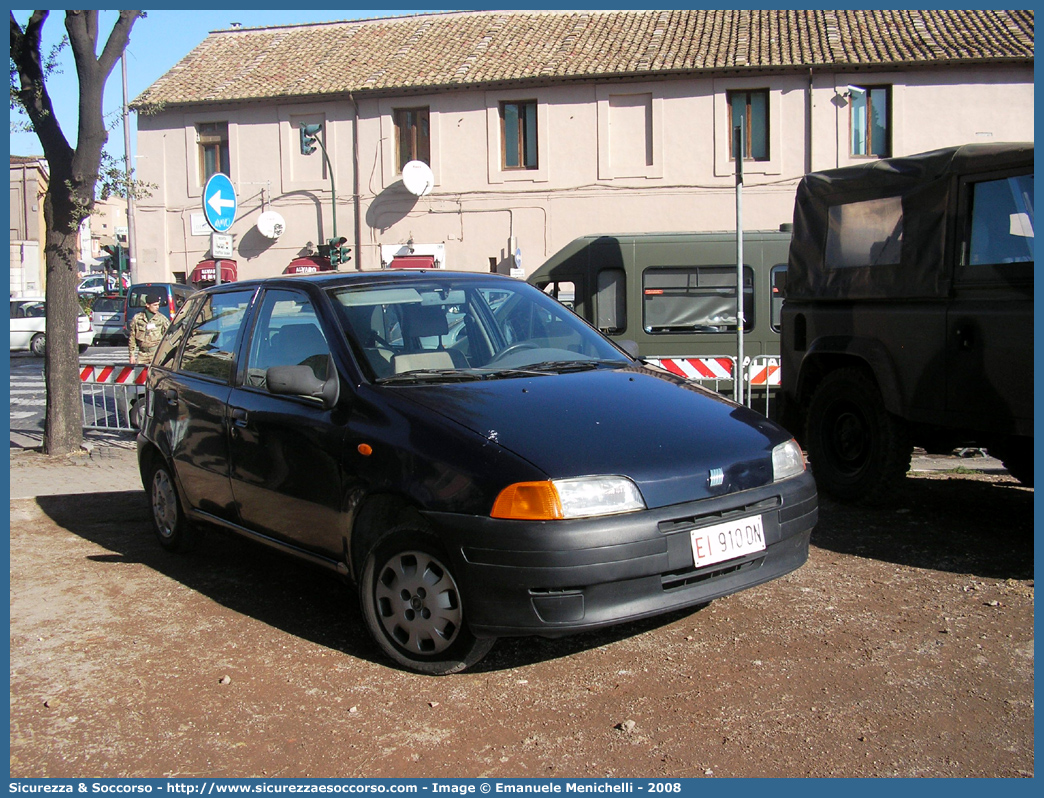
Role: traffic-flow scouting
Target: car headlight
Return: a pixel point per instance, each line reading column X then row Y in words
column 582, row 497
column 787, row 461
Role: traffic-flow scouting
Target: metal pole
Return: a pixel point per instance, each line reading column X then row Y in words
column 333, row 188
column 739, row 143
column 132, row 238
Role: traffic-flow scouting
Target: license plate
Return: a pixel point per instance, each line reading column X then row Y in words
column 728, row 540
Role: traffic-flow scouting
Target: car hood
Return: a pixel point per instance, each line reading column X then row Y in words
column 664, row 433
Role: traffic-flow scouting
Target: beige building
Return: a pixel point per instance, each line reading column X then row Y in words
column 539, row 127
column 29, row 178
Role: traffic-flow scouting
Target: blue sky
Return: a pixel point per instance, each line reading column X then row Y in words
column 157, row 43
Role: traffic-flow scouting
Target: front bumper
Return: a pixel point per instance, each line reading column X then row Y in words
column 558, row 577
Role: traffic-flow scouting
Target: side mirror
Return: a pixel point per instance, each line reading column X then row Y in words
column 630, row 347
column 301, row 381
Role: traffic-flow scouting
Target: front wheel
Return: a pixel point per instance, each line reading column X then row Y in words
column 174, row 531
column 413, row 607
column 858, row 450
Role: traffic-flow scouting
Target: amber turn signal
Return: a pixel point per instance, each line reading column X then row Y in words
column 528, row 501
column 365, row 449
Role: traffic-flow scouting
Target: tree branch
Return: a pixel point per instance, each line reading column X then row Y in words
column 32, row 93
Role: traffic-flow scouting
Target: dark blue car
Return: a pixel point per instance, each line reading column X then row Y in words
column 520, row 475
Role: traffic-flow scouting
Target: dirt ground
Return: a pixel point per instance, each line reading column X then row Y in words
column 904, row 647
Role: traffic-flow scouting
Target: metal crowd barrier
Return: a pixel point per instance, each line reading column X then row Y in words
column 112, row 395
column 762, row 375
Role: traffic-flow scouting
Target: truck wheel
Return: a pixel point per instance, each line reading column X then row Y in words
column 859, row 451
column 413, row 608
column 1017, row 456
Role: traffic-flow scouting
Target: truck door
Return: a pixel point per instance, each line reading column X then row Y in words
column 989, row 374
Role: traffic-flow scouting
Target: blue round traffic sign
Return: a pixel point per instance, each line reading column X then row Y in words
column 219, row 202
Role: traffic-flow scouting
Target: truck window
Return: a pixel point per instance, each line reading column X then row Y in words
column 779, row 292
column 1002, row 221
column 611, row 301
column 866, row 233
column 695, row 299
column 563, row 291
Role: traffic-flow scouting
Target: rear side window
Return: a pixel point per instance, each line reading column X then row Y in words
column 210, row 346
column 695, row 299
column 1002, row 221
column 611, row 301
column 866, row 233
column 168, row 348
column 779, row 292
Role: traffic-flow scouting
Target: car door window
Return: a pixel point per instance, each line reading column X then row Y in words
column 211, row 344
column 287, row 333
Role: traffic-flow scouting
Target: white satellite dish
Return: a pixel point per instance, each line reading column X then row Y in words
column 418, row 178
column 271, row 224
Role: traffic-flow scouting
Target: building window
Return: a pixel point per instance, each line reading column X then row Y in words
column 518, row 132
column 412, row 136
column 870, row 110
column 749, row 110
column 213, row 149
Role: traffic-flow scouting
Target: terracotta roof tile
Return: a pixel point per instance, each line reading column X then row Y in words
column 430, row 51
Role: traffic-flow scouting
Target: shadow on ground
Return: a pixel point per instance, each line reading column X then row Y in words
column 295, row 597
column 962, row 524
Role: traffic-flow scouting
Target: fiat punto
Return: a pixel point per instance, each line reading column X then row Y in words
column 520, row 476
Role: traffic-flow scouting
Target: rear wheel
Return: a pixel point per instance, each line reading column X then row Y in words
column 174, row 530
column 859, row 451
column 38, row 345
column 412, row 604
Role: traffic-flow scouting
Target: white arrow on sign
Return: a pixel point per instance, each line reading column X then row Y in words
column 217, row 203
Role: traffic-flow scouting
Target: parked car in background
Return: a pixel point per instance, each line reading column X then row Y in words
column 530, row 479
column 107, row 318
column 29, row 326
column 172, row 297
column 100, row 284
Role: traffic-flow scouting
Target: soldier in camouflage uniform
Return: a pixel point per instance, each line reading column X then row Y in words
column 146, row 331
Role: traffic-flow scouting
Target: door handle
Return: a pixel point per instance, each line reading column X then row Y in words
column 965, row 337
column 171, row 396
column 239, row 417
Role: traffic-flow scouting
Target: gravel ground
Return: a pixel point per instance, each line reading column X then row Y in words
column 904, row 647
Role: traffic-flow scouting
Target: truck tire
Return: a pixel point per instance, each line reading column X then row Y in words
column 858, row 450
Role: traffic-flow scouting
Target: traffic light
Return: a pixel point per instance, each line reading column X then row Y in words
column 338, row 252
column 308, row 137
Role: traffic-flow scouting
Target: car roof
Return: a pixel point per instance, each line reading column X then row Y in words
column 383, row 276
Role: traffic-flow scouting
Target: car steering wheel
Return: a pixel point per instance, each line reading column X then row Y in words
column 519, row 347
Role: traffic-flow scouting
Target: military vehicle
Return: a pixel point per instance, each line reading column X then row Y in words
column 908, row 318
column 674, row 294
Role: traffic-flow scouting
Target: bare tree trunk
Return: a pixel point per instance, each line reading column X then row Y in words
column 70, row 194
column 63, row 423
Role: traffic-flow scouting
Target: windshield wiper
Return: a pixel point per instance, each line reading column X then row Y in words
column 564, row 366
column 430, row 375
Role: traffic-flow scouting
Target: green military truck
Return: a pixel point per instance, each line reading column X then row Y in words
column 908, row 318
column 674, row 294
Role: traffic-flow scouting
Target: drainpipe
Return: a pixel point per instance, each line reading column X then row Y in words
column 811, row 122
column 355, row 184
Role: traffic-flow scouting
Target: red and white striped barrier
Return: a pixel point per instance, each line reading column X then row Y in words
column 697, row 368
column 765, row 373
column 114, row 374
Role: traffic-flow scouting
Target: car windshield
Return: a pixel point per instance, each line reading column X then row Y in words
column 452, row 330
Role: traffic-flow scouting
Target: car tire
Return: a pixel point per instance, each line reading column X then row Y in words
column 38, row 345
column 173, row 529
column 411, row 601
column 858, row 450
column 1017, row 457
column 83, row 348
column 137, row 412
